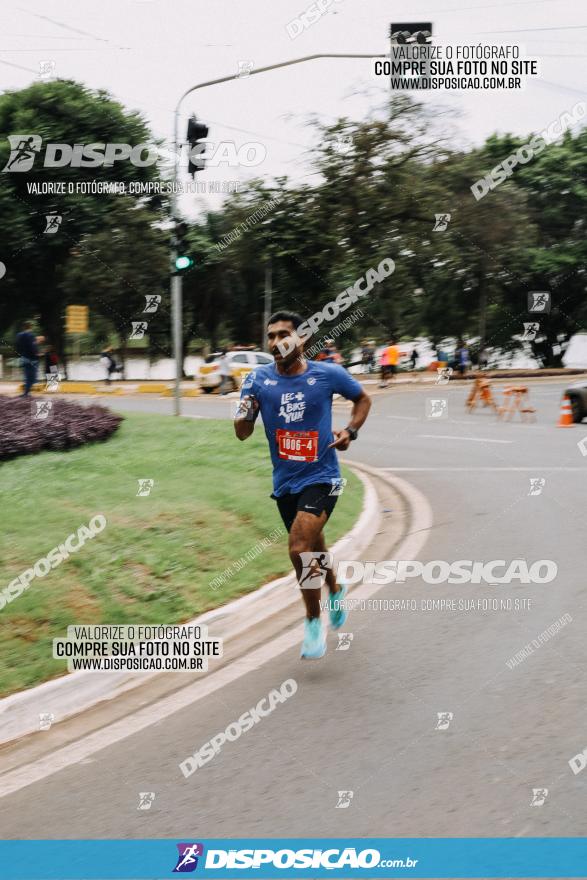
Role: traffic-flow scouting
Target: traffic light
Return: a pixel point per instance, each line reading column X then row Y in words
column 182, row 261
column 408, row 33
column 197, row 132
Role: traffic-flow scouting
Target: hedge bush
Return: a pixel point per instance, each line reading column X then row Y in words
column 30, row 424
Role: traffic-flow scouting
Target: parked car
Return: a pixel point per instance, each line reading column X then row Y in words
column 577, row 394
column 241, row 363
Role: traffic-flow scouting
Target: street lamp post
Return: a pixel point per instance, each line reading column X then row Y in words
column 176, row 282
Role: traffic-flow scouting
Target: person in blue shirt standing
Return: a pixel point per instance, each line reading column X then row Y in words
column 28, row 351
column 294, row 397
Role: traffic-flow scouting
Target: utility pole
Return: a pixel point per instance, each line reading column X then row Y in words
column 267, row 302
column 176, row 281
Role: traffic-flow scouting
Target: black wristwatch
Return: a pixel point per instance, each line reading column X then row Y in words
column 352, row 432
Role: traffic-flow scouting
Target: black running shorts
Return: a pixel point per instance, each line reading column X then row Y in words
column 314, row 499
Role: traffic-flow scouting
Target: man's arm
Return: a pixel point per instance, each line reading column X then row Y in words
column 360, row 411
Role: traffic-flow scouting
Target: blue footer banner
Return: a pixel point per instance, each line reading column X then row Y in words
column 293, row 857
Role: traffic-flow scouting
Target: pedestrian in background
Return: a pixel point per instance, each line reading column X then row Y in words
column 108, row 362
column 51, row 361
column 461, row 357
column 28, row 350
column 368, row 356
column 225, row 374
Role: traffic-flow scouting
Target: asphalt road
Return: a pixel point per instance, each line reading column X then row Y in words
column 365, row 719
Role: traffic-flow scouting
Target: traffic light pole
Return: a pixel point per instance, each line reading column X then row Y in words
column 176, row 280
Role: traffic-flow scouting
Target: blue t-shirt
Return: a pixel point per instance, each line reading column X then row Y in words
column 297, row 417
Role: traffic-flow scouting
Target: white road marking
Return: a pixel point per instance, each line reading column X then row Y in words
column 539, row 468
column 80, row 751
column 407, row 418
column 451, row 437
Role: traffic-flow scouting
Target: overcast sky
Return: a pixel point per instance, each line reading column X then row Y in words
column 148, row 52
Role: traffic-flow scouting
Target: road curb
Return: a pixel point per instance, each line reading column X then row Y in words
column 77, row 692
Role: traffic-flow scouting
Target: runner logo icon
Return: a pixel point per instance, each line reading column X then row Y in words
column 187, row 860
column 315, row 565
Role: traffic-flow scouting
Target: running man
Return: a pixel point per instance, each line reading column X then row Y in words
column 392, row 358
column 294, row 397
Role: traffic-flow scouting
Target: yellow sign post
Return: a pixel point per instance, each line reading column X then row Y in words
column 76, row 319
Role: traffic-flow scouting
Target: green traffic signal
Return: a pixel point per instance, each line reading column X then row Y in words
column 183, row 262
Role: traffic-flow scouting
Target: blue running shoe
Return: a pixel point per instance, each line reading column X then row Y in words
column 338, row 614
column 314, row 644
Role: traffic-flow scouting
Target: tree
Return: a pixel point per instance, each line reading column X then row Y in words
column 62, row 112
column 116, row 267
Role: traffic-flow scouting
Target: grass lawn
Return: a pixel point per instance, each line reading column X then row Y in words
column 154, row 561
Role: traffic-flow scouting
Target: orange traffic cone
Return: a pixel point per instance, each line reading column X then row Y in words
column 566, row 415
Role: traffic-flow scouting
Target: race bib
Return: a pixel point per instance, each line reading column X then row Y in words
column 297, row 445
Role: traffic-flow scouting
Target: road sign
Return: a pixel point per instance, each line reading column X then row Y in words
column 76, row 319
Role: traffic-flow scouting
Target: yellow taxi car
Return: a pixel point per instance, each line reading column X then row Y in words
column 241, row 363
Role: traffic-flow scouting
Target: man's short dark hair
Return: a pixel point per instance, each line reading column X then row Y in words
column 292, row 317
column 27, row 325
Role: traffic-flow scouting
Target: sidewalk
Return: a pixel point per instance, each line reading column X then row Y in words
column 370, row 380
column 162, row 389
